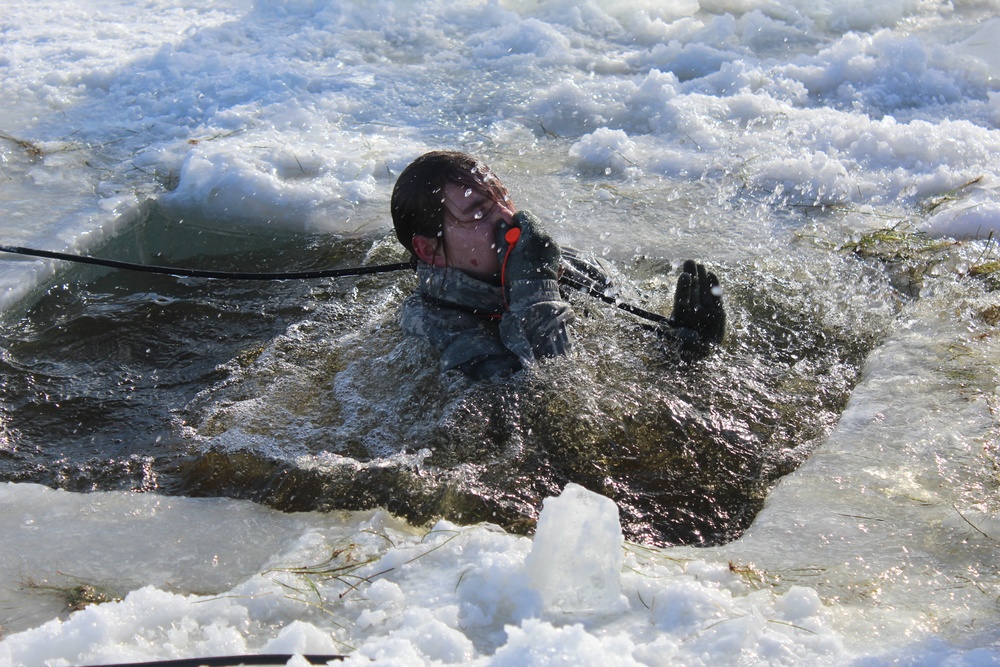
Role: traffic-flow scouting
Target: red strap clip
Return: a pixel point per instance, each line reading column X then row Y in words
column 511, row 236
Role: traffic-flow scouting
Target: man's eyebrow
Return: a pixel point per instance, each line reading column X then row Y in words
column 473, row 199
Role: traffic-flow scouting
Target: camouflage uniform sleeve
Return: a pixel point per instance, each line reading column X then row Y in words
column 466, row 342
column 535, row 325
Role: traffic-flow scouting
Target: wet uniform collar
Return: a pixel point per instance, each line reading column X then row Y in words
column 453, row 288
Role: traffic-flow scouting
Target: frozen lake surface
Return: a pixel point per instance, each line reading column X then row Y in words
column 194, row 467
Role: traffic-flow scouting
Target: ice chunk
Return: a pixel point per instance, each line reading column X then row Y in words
column 576, row 558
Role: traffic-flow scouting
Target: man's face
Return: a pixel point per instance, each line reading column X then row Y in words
column 470, row 223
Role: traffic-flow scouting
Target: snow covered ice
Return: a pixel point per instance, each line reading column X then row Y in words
column 768, row 137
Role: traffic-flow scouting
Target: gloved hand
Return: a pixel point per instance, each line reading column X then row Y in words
column 526, row 251
column 698, row 303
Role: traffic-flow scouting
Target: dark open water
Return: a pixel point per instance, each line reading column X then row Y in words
column 304, row 395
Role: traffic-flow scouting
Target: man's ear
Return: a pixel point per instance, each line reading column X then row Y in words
column 427, row 250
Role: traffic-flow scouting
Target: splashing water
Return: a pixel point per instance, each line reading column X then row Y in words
column 819, row 491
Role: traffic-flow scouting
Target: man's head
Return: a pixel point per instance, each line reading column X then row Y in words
column 445, row 209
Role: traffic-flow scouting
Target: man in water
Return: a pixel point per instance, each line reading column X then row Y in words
column 488, row 294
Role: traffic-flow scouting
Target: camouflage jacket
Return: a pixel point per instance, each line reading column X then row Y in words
column 466, row 321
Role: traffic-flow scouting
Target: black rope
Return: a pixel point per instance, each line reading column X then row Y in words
column 304, row 275
column 622, row 305
column 201, row 273
column 230, row 661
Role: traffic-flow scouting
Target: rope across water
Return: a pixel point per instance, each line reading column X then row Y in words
column 297, row 275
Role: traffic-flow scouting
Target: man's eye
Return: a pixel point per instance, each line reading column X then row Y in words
column 484, row 210
column 474, row 215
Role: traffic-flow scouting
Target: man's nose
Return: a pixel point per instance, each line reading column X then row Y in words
column 506, row 215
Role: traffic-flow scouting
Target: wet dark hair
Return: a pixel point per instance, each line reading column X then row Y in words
column 418, row 197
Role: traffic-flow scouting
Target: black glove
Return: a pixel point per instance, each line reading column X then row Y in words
column 526, row 251
column 698, row 304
